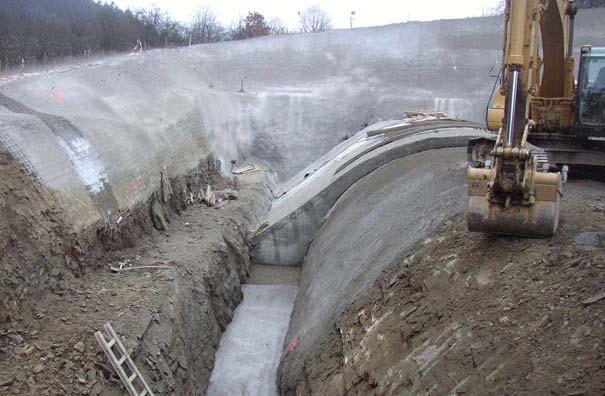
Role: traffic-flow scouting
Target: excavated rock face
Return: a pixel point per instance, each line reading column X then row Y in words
column 35, row 255
column 54, row 295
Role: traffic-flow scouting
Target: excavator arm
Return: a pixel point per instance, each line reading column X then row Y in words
column 515, row 193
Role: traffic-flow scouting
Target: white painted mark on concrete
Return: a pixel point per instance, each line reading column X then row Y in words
column 88, row 166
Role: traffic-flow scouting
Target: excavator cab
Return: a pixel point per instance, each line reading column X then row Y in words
column 590, row 114
column 545, row 122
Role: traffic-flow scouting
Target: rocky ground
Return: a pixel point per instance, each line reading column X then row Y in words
column 459, row 313
column 170, row 318
column 36, row 254
column 470, row 314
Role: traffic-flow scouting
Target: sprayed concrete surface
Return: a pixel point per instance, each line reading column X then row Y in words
column 305, row 200
column 98, row 134
column 371, row 224
column 249, row 352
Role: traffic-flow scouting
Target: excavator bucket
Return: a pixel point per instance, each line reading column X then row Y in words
column 539, row 219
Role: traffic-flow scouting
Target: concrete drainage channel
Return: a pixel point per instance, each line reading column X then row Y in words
column 250, row 349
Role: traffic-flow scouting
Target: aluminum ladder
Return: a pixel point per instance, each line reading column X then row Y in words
column 122, row 363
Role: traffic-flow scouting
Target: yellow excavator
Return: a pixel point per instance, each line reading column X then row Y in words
column 546, row 123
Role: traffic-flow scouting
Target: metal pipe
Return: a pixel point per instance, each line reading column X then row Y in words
column 518, row 24
column 512, row 107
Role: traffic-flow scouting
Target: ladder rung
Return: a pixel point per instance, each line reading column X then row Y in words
column 118, row 363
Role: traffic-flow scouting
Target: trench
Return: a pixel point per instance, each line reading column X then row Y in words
column 275, row 331
column 250, row 349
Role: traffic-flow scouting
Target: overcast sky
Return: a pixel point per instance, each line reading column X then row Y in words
column 367, row 12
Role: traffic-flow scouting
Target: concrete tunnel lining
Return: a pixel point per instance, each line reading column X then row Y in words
column 295, row 218
column 386, row 212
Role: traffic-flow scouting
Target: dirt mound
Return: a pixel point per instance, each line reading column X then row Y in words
column 465, row 313
column 35, row 253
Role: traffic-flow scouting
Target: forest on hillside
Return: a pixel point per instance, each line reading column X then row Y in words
column 40, row 31
column 34, row 31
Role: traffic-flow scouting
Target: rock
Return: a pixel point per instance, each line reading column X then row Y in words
column 91, row 375
column 38, row 368
column 97, row 389
column 8, row 381
column 16, row 338
column 79, row 346
column 157, row 215
column 82, row 381
column 594, row 239
column 594, row 299
column 574, row 262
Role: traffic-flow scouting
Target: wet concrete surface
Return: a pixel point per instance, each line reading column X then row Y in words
column 250, row 349
column 248, row 355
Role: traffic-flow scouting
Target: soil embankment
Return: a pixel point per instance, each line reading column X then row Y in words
column 36, row 254
column 170, row 319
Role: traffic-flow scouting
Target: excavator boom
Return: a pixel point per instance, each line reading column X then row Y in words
column 515, row 192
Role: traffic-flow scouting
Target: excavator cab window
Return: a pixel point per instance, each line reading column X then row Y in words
column 591, row 89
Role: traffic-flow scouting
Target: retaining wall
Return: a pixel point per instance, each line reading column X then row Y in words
column 99, row 133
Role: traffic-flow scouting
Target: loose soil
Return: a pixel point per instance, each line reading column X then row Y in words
column 170, row 320
column 36, row 254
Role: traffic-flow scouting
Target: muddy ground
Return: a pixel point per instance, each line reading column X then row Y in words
column 470, row 314
column 170, row 319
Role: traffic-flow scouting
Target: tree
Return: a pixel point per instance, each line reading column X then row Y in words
column 499, row 9
column 158, row 30
column 255, row 25
column 37, row 31
column 277, row 27
column 314, row 19
column 205, row 27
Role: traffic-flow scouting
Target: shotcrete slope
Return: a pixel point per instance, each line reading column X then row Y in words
column 107, row 127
